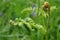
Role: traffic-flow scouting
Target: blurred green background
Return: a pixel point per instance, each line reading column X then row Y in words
column 25, row 20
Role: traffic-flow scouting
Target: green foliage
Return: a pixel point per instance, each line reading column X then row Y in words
column 18, row 20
